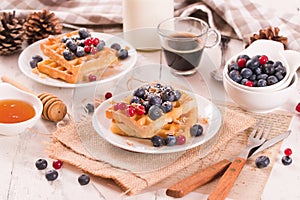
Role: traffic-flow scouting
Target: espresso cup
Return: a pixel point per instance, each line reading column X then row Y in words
column 183, row 40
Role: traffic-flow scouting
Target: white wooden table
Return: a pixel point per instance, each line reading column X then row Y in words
column 20, row 180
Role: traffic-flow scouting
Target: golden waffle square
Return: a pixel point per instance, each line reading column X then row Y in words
column 77, row 69
column 178, row 121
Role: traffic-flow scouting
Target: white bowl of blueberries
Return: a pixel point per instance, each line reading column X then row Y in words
column 261, row 77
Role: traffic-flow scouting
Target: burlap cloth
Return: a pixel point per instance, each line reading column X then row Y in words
column 71, row 147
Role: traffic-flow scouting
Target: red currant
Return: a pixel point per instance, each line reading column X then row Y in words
column 92, row 77
column 140, row 110
column 122, row 106
column 94, row 50
column 87, row 49
column 116, row 106
column 130, row 111
column 249, row 83
column 298, row 107
column 263, row 59
column 57, row 164
column 108, row 95
column 288, row 151
column 88, row 42
column 95, row 41
column 181, row 139
column 241, row 62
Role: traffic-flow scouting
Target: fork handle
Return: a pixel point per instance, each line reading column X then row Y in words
column 228, row 179
column 198, row 179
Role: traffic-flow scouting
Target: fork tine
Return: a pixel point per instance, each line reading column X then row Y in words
column 255, row 128
column 260, row 132
column 268, row 131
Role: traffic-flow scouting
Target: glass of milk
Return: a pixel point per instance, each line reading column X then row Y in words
column 140, row 20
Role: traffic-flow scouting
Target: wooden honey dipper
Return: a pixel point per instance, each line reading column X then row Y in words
column 53, row 108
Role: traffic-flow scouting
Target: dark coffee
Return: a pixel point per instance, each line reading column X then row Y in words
column 183, row 54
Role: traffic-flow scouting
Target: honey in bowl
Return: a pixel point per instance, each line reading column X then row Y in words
column 14, row 111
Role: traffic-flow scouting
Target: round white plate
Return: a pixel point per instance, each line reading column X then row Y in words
column 34, row 49
column 206, row 110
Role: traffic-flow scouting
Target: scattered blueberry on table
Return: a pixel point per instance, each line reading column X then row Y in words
column 51, row 175
column 262, row 161
column 41, row 164
column 286, row 159
column 83, row 179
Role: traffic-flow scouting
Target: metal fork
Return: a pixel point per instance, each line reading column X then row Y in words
column 256, row 138
column 218, row 73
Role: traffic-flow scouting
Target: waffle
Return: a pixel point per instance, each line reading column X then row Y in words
column 176, row 122
column 77, row 69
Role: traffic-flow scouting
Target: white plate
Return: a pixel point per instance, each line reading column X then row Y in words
column 34, row 49
column 206, row 109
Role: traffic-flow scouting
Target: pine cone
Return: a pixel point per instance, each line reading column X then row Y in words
column 11, row 33
column 269, row 33
column 40, row 25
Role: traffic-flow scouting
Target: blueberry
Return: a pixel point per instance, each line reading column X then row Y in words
column 256, row 57
column 115, row 46
column 155, row 112
column 257, row 70
column 41, row 164
column 157, row 141
column 135, row 99
column 51, row 175
column 261, row 83
column 122, row 54
column 158, row 85
column 196, row 130
column 252, row 64
column 170, row 140
column 233, row 66
column 80, row 43
column 279, row 76
column 243, row 56
column 278, row 64
column 280, row 69
column 33, row 63
column 262, row 161
column 243, row 81
column 177, row 94
column 262, row 76
column 252, row 77
column 64, row 39
column 167, row 88
column 155, row 100
column 166, row 106
column 71, row 45
column 83, row 179
column 147, row 106
column 83, row 33
column 75, row 38
column 90, row 108
column 269, row 69
column 272, row 80
column 235, row 76
column 68, row 55
column 80, row 51
column 286, row 160
column 246, row 73
column 35, row 60
column 38, row 58
column 100, row 45
column 139, row 92
column 168, row 96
